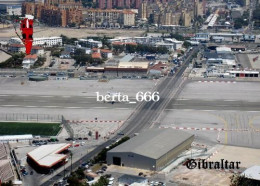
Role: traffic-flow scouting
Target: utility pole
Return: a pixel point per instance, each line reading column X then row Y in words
column 71, row 162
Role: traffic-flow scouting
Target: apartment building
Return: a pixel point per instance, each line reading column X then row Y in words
column 98, row 18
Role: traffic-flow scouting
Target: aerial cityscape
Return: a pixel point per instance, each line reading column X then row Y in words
column 129, row 92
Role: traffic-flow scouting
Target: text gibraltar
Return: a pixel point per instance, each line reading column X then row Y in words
column 203, row 164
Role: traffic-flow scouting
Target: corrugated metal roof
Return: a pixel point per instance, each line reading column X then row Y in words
column 153, row 143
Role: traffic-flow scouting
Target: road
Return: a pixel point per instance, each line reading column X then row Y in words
column 145, row 114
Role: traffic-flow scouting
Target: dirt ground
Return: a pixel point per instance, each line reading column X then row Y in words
column 247, row 156
column 184, row 176
column 3, row 56
column 70, row 32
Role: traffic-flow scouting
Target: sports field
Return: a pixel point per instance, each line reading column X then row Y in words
column 16, row 128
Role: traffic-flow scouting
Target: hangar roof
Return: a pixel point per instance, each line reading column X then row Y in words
column 153, row 143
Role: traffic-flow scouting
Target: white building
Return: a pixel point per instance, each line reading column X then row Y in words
column 177, row 44
column 106, row 53
column 129, row 18
column 44, row 41
column 14, row 10
column 29, row 60
column 91, row 43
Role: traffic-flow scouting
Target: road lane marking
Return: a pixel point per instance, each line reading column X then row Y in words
column 46, row 96
column 50, row 106
column 73, row 107
column 10, row 105
column 41, row 101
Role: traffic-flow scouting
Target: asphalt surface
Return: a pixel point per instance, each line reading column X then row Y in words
column 58, row 102
column 144, row 116
column 199, row 104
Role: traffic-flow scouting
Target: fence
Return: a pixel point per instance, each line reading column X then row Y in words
column 30, row 117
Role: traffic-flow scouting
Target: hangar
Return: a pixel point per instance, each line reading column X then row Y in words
column 153, row 149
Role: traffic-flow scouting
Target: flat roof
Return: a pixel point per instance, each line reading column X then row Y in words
column 127, row 58
column 143, row 65
column 153, row 143
column 16, row 137
column 48, row 155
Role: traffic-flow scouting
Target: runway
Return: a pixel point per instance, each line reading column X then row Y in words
column 60, row 102
column 202, row 104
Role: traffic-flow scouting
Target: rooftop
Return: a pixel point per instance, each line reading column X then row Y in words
column 252, row 172
column 48, row 155
column 34, row 56
column 153, row 143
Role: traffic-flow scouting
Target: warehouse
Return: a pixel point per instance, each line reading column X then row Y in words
column 153, row 149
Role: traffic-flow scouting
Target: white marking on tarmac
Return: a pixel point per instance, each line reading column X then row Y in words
column 182, row 99
column 252, row 111
column 10, row 105
column 132, row 102
column 230, row 100
column 100, row 107
column 66, row 96
column 41, row 101
column 50, row 106
column 30, row 106
column 46, row 96
column 122, row 108
column 73, row 107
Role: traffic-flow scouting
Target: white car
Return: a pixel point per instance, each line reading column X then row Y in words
column 111, row 179
column 110, row 182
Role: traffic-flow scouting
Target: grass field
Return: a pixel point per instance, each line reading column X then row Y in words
column 16, row 128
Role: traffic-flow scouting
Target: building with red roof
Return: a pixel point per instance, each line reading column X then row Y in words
column 29, row 60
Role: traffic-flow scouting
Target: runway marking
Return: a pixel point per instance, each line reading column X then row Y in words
column 132, row 102
column 182, row 99
column 122, row 108
column 230, row 100
column 100, row 107
column 46, row 96
column 10, row 105
column 50, row 106
column 90, row 97
column 95, row 121
column 73, row 107
column 41, row 101
column 31, row 106
column 66, row 96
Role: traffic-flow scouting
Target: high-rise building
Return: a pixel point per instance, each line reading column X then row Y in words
column 109, row 4
column 120, row 3
column 101, row 4
column 127, row 4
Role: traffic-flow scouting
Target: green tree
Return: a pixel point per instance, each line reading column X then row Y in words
column 186, row 44
column 7, row 183
column 237, row 180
